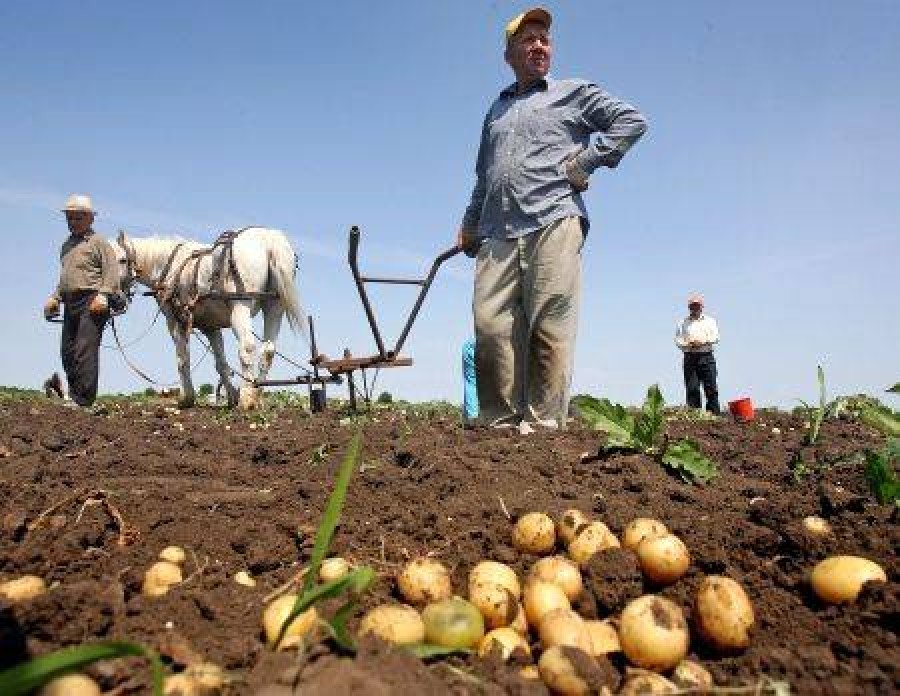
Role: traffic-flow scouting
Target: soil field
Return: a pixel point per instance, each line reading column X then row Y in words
column 247, row 494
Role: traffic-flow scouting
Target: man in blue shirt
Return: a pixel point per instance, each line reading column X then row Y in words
column 526, row 223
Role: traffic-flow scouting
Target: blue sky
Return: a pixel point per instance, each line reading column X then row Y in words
column 768, row 179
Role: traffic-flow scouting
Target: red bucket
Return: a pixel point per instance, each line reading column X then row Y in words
column 741, row 409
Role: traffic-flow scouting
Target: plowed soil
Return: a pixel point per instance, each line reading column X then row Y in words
column 247, row 494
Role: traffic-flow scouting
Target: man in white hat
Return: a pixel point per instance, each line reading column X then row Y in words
column 696, row 336
column 526, row 223
column 88, row 280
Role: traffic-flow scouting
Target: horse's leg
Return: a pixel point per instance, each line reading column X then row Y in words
column 217, row 345
column 273, row 313
column 242, row 326
column 183, row 352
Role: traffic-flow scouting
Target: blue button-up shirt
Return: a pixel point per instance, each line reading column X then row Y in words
column 521, row 183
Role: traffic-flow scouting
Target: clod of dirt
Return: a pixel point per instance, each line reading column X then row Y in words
column 597, row 672
column 614, row 578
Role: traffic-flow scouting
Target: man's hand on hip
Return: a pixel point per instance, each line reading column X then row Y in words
column 51, row 308
column 576, row 174
column 99, row 305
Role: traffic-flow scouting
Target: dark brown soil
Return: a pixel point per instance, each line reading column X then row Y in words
column 247, row 494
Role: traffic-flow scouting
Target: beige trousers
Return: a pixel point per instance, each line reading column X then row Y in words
column 527, row 292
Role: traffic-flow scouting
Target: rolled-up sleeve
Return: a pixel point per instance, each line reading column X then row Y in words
column 619, row 124
column 472, row 216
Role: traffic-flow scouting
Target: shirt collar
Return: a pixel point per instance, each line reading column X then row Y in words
column 510, row 91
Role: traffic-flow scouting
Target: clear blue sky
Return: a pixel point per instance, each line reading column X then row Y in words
column 769, row 179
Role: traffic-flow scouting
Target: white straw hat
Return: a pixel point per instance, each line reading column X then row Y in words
column 79, row 202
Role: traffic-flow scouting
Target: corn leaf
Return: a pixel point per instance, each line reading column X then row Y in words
column 881, row 418
column 649, row 424
column 427, row 650
column 332, row 515
column 880, row 472
column 610, row 418
column 685, row 457
column 25, row 678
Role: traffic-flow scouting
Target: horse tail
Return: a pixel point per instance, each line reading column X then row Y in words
column 283, row 268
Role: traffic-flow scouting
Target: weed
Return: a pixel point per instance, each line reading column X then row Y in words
column 880, row 472
column 645, row 432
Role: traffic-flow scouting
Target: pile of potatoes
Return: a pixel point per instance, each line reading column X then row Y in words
column 505, row 615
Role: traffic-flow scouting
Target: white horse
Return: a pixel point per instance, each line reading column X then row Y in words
column 258, row 266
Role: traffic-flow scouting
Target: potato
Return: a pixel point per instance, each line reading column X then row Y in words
column 839, row 579
column 723, row 614
column 653, row 633
column 560, row 675
column 692, row 675
column 569, row 524
column 663, row 558
column 303, row 626
column 396, row 623
column 534, row 533
column 604, row 637
column 816, row 526
column 564, row 627
column 560, row 571
column 647, row 684
column 497, row 604
column 542, row 597
column 160, row 578
column 333, row 568
column 592, row 538
column 424, row 580
column 641, row 528
column 453, row 623
column 529, row 672
column 506, row 640
column 172, row 554
column 495, row 573
column 23, row 588
column 242, row 577
column 70, row 685
column 203, row 679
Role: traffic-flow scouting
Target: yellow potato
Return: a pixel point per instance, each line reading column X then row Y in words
column 172, row 554
column 653, row 633
column 530, row 672
column 276, row 613
column 723, row 614
column 604, row 637
column 647, row 684
column 424, row 580
column 692, row 675
column 333, row 569
column 70, row 685
column 641, row 528
column 560, row 571
column 494, row 573
column 497, row 604
column 560, row 675
column 569, row 524
column 592, row 538
column 543, row 597
column 534, row 533
column 839, row 579
column 663, row 558
column 23, row 588
column 242, row 577
column 507, row 639
column 396, row 623
column 816, row 526
column 160, row 577
column 564, row 627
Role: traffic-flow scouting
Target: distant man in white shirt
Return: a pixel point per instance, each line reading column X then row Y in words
column 696, row 336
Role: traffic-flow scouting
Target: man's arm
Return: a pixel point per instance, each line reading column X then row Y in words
column 620, row 126
column 109, row 282
column 680, row 339
column 472, row 215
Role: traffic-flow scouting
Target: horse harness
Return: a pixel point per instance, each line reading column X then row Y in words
column 184, row 302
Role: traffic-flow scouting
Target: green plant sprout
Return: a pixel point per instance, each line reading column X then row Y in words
column 645, row 433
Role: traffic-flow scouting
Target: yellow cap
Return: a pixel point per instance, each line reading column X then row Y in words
column 535, row 14
column 79, row 203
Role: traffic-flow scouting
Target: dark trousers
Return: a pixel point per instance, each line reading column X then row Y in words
column 700, row 368
column 80, row 347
